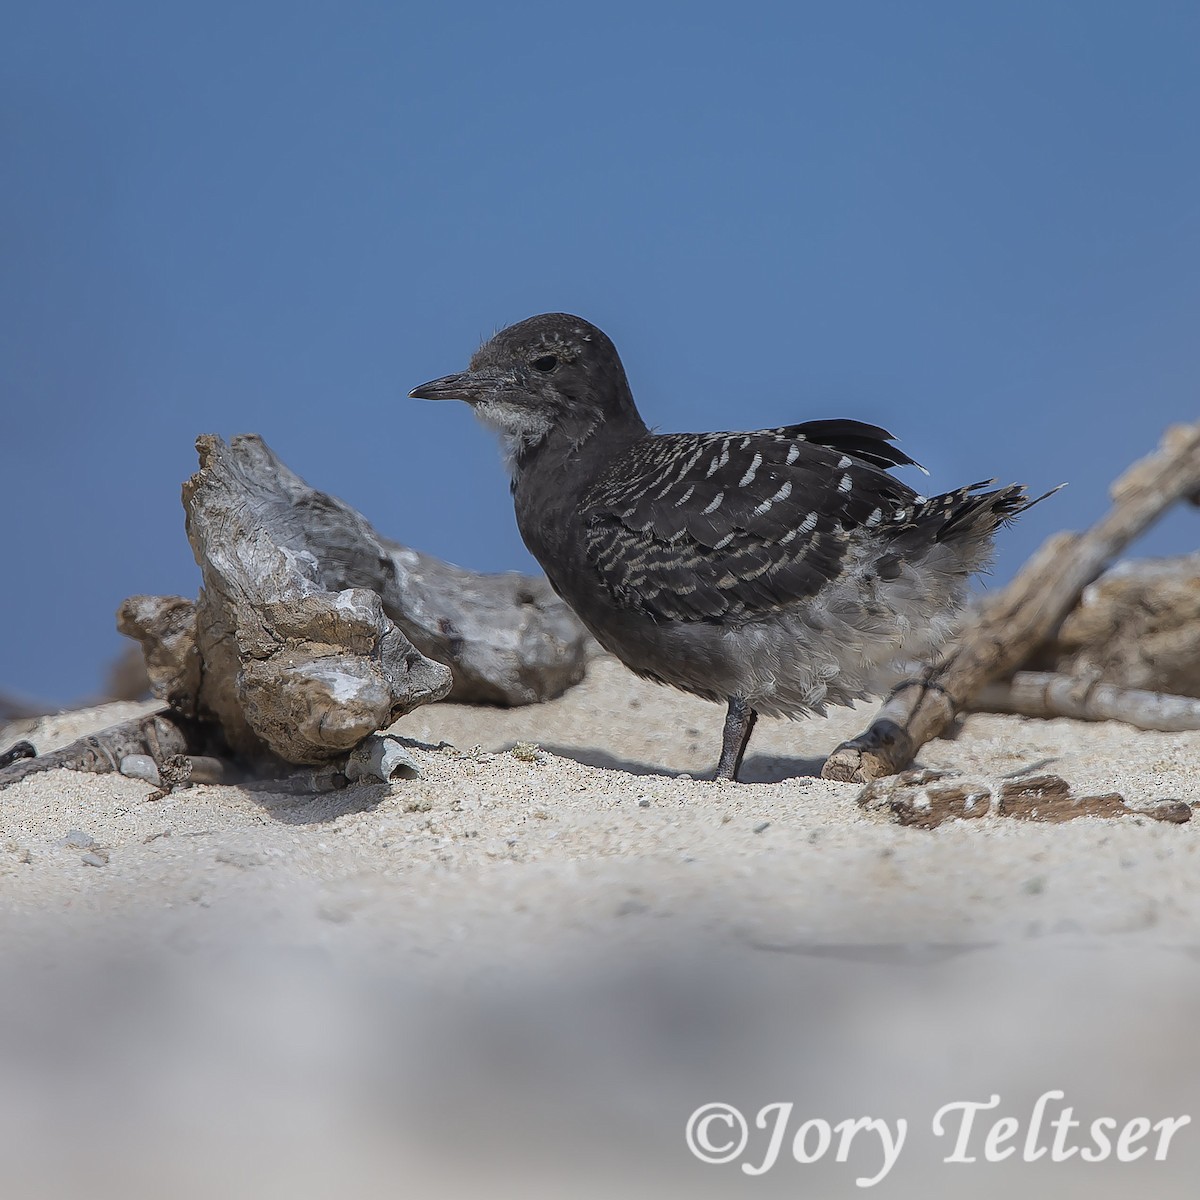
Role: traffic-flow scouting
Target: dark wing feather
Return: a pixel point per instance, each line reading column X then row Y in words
column 690, row 527
column 870, row 443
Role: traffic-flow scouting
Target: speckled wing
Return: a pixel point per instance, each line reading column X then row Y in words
column 705, row 527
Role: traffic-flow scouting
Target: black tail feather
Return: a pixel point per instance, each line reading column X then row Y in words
column 969, row 512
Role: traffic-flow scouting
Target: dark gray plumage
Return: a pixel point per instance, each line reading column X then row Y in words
column 779, row 571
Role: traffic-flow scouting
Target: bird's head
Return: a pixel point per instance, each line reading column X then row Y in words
column 550, row 374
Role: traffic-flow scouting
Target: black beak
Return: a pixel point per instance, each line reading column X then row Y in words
column 463, row 386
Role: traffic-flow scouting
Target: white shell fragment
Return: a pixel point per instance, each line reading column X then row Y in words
column 381, row 756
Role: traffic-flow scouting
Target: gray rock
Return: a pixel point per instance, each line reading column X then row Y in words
column 76, row 839
column 140, row 766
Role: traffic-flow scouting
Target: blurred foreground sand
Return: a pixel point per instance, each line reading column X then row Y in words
column 520, row 977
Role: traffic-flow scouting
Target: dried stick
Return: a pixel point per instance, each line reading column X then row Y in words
column 1042, row 694
column 1021, row 617
column 159, row 735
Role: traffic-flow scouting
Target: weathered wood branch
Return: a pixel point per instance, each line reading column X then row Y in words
column 1042, row 694
column 290, row 661
column 299, row 644
column 1021, row 617
column 507, row 638
column 1137, row 626
column 159, row 736
column 165, row 628
column 169, row 750
column 16, row 752
column 297, row 649
column 927, row 798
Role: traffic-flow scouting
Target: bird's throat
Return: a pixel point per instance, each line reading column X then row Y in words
column 519, row 427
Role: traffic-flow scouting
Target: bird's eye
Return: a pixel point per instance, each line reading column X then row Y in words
column 545, row 364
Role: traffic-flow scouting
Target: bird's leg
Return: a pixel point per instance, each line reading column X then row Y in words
column 739, row 723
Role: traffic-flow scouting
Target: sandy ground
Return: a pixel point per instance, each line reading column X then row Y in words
column 521, row 975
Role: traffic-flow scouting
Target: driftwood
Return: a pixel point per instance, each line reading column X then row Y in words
column 288, row 660
column 313, row 631
column 16, row 752
column 1042, row 694
column 165, row 627
column 1049, row 798
column 189, row 768
column 508, row 639
column 1137, row 626
column 282, row 668
column 1022, row 617
column 1129, row 651
column 159, row 736
column 925, row 799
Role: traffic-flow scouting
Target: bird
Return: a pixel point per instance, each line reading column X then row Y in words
column 777, row 571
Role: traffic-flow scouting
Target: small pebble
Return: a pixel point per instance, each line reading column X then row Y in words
column 95, row 858
column 644, row 802
column 76, row 839
column 761, row 826
column 140, row 766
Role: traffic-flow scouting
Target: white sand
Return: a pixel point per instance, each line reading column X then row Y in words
column 589, row 939
column 599, row 828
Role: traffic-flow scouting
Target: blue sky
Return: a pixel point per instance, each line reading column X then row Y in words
column 975, row 223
